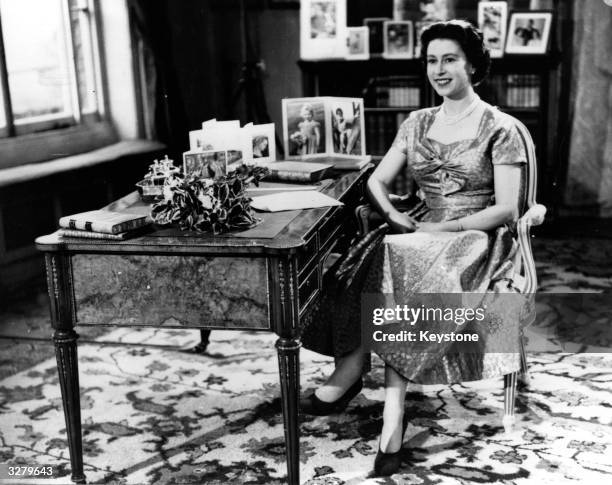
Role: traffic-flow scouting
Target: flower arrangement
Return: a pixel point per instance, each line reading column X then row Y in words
column 206, row 205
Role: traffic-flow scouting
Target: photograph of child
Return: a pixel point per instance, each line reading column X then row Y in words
column 305, row 127
column 346, row 127
column 492, row 18
column 323, row 23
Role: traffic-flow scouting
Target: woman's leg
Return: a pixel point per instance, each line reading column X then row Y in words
column 393, row 413
column 348, row 370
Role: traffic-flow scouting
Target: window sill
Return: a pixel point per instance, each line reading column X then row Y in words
column 24, row 173
column 52, row 144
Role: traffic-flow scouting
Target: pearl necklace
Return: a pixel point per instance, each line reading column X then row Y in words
column 447, row 119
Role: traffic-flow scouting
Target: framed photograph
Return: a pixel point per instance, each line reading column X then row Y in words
column 304, row 127
column 261, row 139
column 357, row 43
column 322, row 29
column 437, row 10
column 398, row 39
column 207, row 164
column 375, row 26
column 492, row 21
column 529, row 32
column 348, row 128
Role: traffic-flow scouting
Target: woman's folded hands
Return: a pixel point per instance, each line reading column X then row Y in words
column 401, row 223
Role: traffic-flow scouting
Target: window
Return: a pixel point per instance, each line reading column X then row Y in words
column 50, row 80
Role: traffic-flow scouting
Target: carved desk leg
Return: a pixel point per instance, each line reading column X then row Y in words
column 288, row 348
column 59, row 282
column 289, row 369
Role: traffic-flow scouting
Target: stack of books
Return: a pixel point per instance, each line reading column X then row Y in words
column 102, row 224
column 290, row 171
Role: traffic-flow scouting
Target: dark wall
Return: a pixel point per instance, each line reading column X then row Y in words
column 207, row 48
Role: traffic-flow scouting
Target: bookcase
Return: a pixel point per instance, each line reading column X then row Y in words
column 524, row 86
column 533, row 88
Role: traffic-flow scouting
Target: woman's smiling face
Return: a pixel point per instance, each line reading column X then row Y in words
column 448, row 68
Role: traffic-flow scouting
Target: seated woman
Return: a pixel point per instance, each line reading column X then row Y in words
column 466, row 157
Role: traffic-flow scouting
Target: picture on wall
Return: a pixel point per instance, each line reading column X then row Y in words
column 207, row 164
column 347, row 126
column 323, row 19
column 324, row 126
column 357, row 43
column 529, row 32
column 322, row 28
column 492, row 21
column 398, row 39
column 437, row 10
column 304, row 126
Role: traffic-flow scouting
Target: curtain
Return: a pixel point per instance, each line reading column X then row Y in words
column 163, row 108
column 589, row 181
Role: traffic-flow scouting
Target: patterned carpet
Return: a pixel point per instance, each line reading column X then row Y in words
column 179, row 418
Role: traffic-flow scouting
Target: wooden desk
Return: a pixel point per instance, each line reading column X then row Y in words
column 186, row 280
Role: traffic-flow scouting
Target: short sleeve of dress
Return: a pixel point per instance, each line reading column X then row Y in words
column 401, row 139
column 508, row 147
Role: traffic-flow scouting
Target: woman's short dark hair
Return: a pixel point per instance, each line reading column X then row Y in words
column 468, row 37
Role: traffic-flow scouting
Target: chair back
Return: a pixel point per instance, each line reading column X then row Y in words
column 525, row 263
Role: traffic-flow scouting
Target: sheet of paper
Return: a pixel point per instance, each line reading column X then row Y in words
column 306, row 199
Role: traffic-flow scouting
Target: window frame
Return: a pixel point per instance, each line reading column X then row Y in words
column 43, row 140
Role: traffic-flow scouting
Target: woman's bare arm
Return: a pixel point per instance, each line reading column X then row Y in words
column 378, row 190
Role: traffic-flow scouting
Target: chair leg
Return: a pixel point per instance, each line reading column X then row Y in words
column 509, row 401
column 524, row 377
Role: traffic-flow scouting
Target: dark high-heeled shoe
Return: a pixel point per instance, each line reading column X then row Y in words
column 311, row 404
column 386, row 464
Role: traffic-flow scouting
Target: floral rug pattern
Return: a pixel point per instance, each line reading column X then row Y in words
column 181, row 418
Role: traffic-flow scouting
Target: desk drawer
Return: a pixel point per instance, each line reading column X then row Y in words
column 171, row 291
column 330, row 225
column 307, row 253
column 309, row 288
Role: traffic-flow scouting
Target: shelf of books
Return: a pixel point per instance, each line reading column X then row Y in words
column 519, row 85
column 389, row 100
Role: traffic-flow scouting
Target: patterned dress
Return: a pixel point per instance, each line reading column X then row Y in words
column 456, row 180
column 309, row 130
